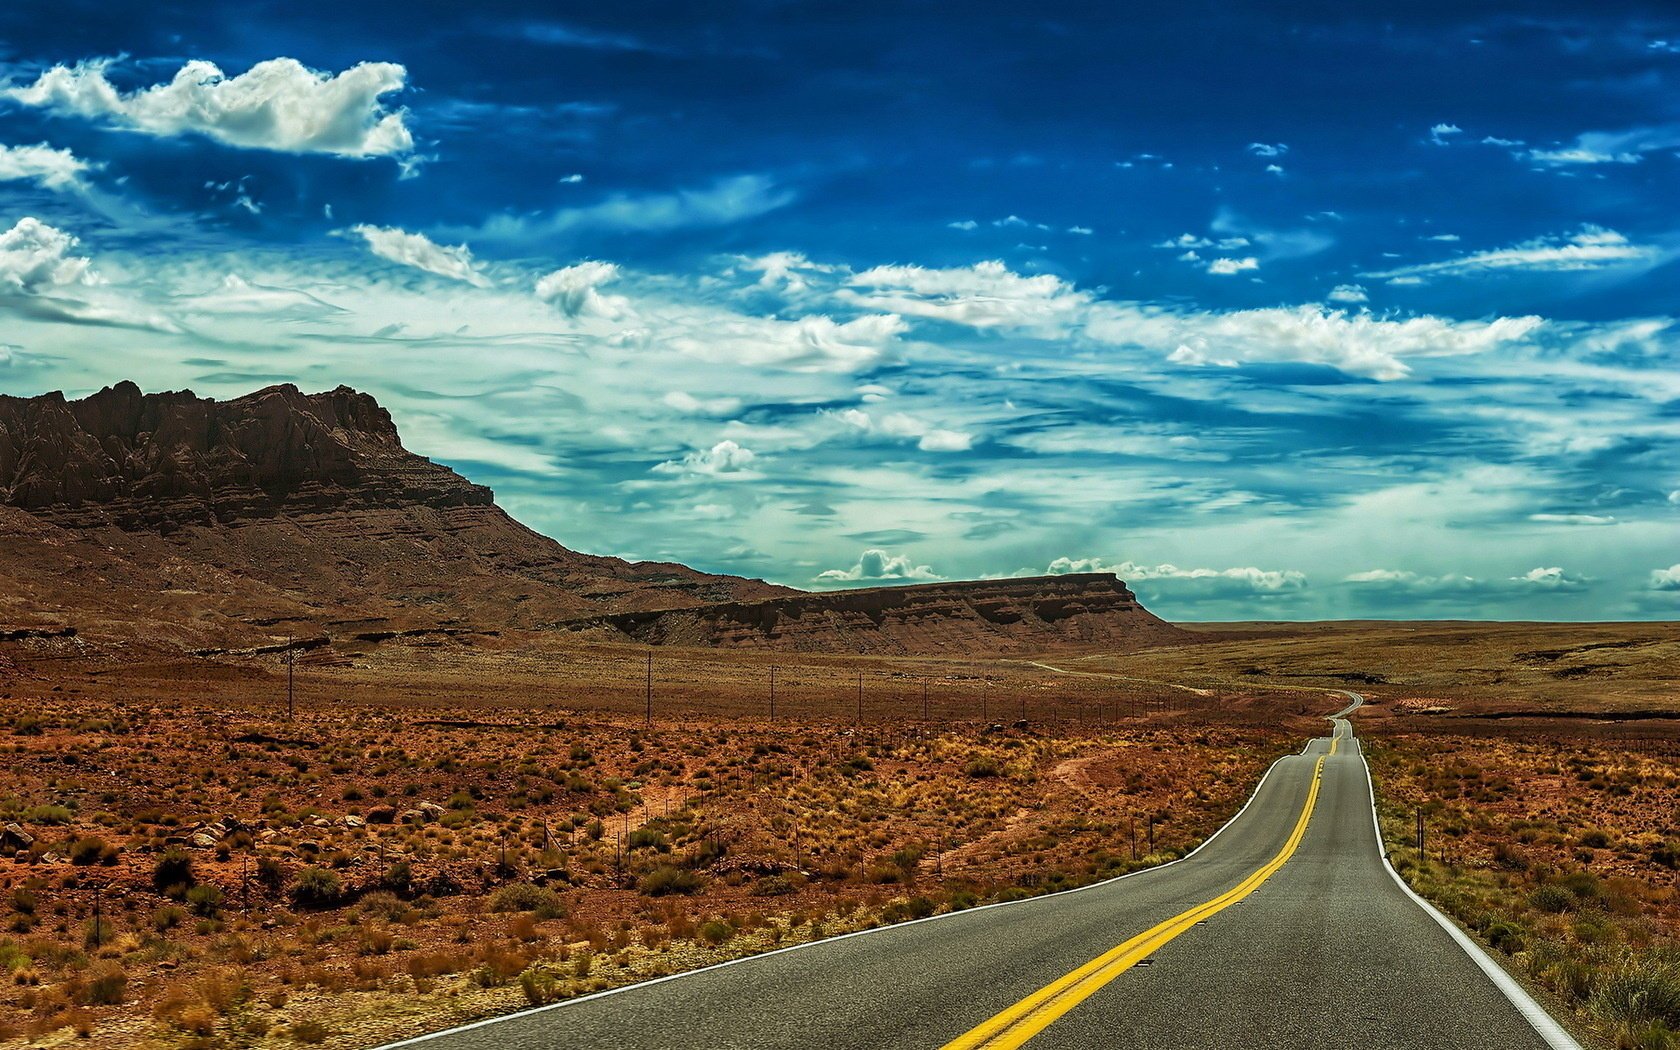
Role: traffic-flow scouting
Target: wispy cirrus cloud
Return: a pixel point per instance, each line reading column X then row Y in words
column 1589, row 248
column 725, row 201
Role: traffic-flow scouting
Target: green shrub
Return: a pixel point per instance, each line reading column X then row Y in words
column 91, row 850
column 173, row 875
column 667, row 879
column 539, row 985
column 317, row 888
column 205, row 899
column 983, row 766
column 107, row 985
column 1505, row 936
column 524, row 896
column 47, row 815
column 1637, row 993
column 715, row 931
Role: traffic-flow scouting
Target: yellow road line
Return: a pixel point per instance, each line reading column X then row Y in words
column 1019, row 1023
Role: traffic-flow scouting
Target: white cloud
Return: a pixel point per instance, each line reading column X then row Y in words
column 1347, row 293
column 1666, row 579
column 1440, row 133
column 1262, row 149
column 235, row 295
column 788, row 270
column 277, row 105
column 985, row 295
column 571, row 180
column 1082, row 231
column 418, row 250
column 1573, row 519
column 1589, row 248
column 726, row 458
column 877, row 564
column 725, row 201
column 36, row 258
column 1358, row 343
column 808, row 344
column 1674, row 497
column 53, row 169
column 964, row 224
column 928, row 438
column 688, row 404
column 1243, row 577
column 1226, row 267
column 575, row 290
column 1609, row 147
column 1552, row 578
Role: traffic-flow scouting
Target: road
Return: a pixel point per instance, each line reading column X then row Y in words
column 1286, row 929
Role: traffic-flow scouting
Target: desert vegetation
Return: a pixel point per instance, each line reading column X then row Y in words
column 181, row 869
column 1560, row 851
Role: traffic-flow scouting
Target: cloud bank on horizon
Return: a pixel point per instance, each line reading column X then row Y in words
column 1020, row 293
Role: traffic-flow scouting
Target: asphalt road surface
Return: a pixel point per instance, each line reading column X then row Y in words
column 1286, row 929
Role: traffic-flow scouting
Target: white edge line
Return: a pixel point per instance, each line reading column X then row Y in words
column 1542, row 1022
column 486, row 1022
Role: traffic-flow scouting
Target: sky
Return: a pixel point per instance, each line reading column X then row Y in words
column 1278, row 311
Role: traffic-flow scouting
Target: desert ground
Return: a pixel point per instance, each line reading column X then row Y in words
column 447, row 828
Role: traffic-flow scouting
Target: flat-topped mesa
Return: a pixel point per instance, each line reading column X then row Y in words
column 137, row 460
column 1023, row 613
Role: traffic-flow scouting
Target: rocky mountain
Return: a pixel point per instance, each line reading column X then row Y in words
column 193, row 523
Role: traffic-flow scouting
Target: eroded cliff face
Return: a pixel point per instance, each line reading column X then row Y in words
column 1023, row 614
column 187, row 518
column 120, row 457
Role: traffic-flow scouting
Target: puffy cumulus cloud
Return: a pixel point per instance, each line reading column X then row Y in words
column 724, row 459
column 279, row 105
column 42, row 277
column 53, row 169
column 1347, row 293
column 1405, row 581
column 985, row 295
column 1589, row 248
column 806, row 344
column 1440, row 134
column 576, row 291
column 1666, row 579
column 36, row 258
column 1247, row 578
column 877, row 564
column 417, row 250
column 1068, row 566
column 928, row 438
column 1225, row 267
column 1357, row 343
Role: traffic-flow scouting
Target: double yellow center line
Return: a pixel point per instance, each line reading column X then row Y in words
column 1019, row 1023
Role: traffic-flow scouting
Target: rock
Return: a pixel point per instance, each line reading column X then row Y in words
column 431, row 809
column 308, row 846
column 13, row 837
column 353, row 821
column 203, row 841
column 412, row 816
column 382, row 815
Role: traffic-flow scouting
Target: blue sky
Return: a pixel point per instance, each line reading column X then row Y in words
column 1279, row 311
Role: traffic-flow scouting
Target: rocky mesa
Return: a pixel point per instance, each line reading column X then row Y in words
column 190, row 522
